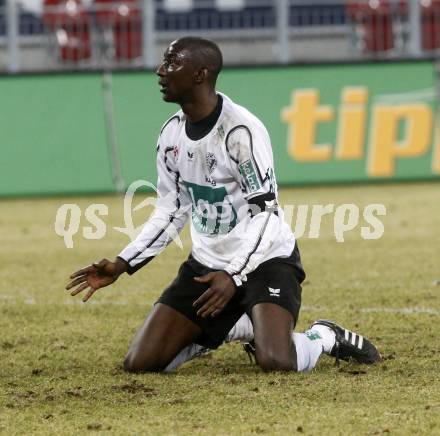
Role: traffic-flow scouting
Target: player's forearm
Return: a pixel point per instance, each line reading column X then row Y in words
column 157, row 233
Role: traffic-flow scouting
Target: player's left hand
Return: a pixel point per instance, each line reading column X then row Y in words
column 220, row 291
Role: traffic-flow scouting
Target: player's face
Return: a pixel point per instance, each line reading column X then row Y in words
column 176, row 75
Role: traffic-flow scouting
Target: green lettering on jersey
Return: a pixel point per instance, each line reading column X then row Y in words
column 313, row 336
column 247, row 170
column 212, row 210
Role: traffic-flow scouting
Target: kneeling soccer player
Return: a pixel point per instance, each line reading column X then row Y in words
column 215, row 163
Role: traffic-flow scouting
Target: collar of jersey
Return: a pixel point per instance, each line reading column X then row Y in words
column 200, row 129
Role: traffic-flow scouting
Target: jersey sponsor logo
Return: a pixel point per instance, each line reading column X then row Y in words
column 274, row 292
column 212, row 210
column 247, row 170
column 211, row 162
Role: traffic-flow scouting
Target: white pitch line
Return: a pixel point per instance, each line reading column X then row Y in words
column 9, row 299
column 400, row 310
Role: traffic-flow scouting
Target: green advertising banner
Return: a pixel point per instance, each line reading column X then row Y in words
column 328, row 123
column 337, row 123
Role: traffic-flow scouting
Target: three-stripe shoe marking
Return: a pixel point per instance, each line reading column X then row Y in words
column 352, row 337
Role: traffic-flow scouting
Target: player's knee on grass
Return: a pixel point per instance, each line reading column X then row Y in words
column 274, row 348
column 270, row 359
column 163, row 335
column 137, row 362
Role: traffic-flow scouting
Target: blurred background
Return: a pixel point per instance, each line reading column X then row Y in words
column 88, row 34
column 48, row 35
column 348, row 89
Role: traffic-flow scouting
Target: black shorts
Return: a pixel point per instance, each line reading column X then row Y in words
column 277, row 281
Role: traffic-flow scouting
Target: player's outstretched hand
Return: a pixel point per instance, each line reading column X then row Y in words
column 214, row 300
column 95, row 276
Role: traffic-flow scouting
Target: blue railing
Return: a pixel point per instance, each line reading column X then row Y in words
column 210, row 18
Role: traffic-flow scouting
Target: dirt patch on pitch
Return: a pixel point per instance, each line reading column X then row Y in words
column 134, row 387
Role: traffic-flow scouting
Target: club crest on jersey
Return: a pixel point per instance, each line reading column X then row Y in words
column 176, row 151
column 211, row 162
column 190, row 155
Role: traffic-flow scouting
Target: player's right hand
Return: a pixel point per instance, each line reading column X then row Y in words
column 95, row 276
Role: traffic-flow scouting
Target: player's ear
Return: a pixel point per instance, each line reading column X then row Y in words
column 201, row 75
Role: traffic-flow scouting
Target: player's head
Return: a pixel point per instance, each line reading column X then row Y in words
column 189, row 64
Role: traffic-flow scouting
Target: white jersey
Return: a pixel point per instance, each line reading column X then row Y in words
column 217, row 181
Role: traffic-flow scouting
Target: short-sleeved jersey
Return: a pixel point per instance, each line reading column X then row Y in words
column 226, row 183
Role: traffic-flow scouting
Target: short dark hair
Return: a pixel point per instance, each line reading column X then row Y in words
column 206, row 53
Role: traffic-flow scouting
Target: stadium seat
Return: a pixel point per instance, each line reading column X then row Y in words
column 124, row 21
column 430, row 16
column 128, row 31
column 374, row 22
column 71, row 25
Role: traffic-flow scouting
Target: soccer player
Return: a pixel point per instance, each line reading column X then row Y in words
column 215, row 165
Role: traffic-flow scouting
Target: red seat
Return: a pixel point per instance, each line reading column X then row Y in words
column 125, row 20
column 375, row 20
column 430, row 16
column 71, row 25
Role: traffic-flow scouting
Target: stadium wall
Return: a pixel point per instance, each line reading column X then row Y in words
column 328, row 123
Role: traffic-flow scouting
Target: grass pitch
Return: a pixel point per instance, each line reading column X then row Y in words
column 60, row 360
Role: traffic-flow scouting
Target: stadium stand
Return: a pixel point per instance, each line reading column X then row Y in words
column 70, row 25
column 121, row 23
column 30, row 24
column 109, row 33
column 430, row 15
column 377, row 24
column 178, row 15
column 233, row 14
column 2, row 18
column 210, row 15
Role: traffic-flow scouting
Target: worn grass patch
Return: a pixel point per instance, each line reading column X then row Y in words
column 60, row 360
